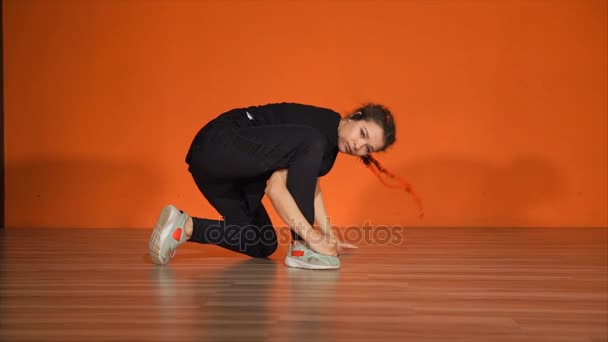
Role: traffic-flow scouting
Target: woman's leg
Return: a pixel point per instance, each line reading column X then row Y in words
column 246, row 227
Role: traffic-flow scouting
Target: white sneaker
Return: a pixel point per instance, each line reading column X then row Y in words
column 167, row 235
column 300, row 256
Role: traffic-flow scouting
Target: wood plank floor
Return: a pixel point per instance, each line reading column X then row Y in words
column 433, row 285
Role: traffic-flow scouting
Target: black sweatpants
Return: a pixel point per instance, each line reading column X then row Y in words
column 231, row 160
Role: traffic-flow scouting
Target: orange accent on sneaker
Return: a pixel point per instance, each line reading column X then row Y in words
column 177, row 234
column 297, row 253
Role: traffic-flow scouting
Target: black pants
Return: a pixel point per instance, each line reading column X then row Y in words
column 231, row 159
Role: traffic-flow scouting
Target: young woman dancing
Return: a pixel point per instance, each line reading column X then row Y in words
column 279, row 150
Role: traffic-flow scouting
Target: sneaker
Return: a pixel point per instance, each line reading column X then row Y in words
column 300, row 256
column 167, row 235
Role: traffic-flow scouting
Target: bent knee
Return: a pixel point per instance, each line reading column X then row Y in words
column 262, row 250
column 315, row 143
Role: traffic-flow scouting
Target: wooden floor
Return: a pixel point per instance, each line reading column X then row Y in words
column 435, row 285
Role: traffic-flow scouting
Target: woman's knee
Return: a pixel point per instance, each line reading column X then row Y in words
column 262, row 250
column 314, row 144
column 260, row 243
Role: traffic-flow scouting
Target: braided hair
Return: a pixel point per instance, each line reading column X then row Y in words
column 384, row 118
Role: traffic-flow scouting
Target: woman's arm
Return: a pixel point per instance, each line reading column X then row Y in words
column 324, row 223
column 321, row 217
column 287, row 208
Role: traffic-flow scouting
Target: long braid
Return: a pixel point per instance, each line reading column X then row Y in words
column 378, row 170
column 384, row 118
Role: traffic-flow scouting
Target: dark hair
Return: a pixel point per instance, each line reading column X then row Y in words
column 384, row 118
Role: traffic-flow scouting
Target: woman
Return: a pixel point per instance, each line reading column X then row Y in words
column 278, row 150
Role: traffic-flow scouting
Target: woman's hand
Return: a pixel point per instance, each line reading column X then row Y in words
column 327, row 244
column 345, row 245
column 341, row 245
column 322, row 244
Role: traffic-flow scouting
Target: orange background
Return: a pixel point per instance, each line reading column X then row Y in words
column 501, row 106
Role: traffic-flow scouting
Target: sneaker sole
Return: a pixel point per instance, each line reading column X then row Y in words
column 293, row 262
column 155, row 239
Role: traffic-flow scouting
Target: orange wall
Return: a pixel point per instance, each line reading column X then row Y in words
column 501, row 106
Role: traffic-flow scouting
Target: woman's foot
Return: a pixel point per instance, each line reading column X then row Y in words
column 300, row 256
column 169, row 232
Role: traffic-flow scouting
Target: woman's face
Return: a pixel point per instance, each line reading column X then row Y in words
column 360, row 137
